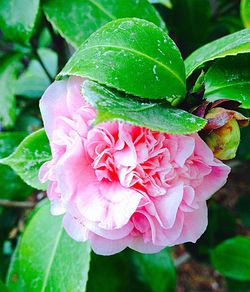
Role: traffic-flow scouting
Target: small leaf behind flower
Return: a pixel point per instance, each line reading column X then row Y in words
column 27, row 159
column 112, row 105
column 229, row 78
column 230, row 45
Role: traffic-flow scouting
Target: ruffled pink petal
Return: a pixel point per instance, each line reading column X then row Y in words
column 109, row 204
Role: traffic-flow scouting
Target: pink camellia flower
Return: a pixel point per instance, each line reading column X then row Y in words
column 120, row 185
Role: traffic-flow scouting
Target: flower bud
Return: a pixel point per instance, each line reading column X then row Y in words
column 225, row 140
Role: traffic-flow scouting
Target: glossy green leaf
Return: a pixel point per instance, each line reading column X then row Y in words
column 245, row 12
column 76, row 20
column 9, row 67
column 18, row 19
column 27, row 159
column 112, row 105
column 232, row 258
column 229, row 78
column 47, row 259
column 34, row 81
column 11, row 185
column 156, row 270
column 166, row 3
column 120, row 55
column 230, row 45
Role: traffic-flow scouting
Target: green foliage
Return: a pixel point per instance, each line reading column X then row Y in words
column 191, row 21
column 123, row 44
column 88, row 16
column 242, row 209
column 233, row 44
column 245, row 12
column 217, row 216
column 47, row 258
column 9, row 67
column 229, row 78
column 157, row 271
column 34, row 81
column 12, row 187
column 112, row 105
column 18, row 19
column 232, row 258
column 28, row 158
column 166, row 3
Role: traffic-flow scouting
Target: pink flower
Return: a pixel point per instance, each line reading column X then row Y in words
column 120, row 185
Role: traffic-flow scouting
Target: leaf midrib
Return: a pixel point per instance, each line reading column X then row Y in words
column 98, row 5
column 140, row 54
column 50, row 262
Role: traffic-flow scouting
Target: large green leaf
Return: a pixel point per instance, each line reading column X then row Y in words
column 245, row 12
column 3, row 288
column 156, row 270
column 18, row 19
column 229, row 78
column 47, row 259
column 12, row 187
column 28, row 158
column 9, row 67
column 112, row 105
column 76, row 20
column 33, row 82
column 233, row 44
column 120, row 55
column 232, row 258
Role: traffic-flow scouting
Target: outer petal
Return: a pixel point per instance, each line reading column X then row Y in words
column 75, row 228
column 107, row 247
column 53, row 105
column 195, row 223
column 74, row 97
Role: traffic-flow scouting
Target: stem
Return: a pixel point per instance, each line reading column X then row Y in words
column 182, row 260
column 36, row 55
column 16, row 204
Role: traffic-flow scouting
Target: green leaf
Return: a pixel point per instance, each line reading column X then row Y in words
column 3, row 288
column 76, row 20
column 28, row 158
column 245, row 12
column 232, row 258
column 18, row 19
column 218, row 216
column 166, row 3
column 9, row 67
column 34, row 81
column 112, row 105
column 230, row 45
column 107, row 278
column 47, row 259
column 12, row 187
column 156, row 270
column 120, row 55
column 229, row 78
column 237, row 286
